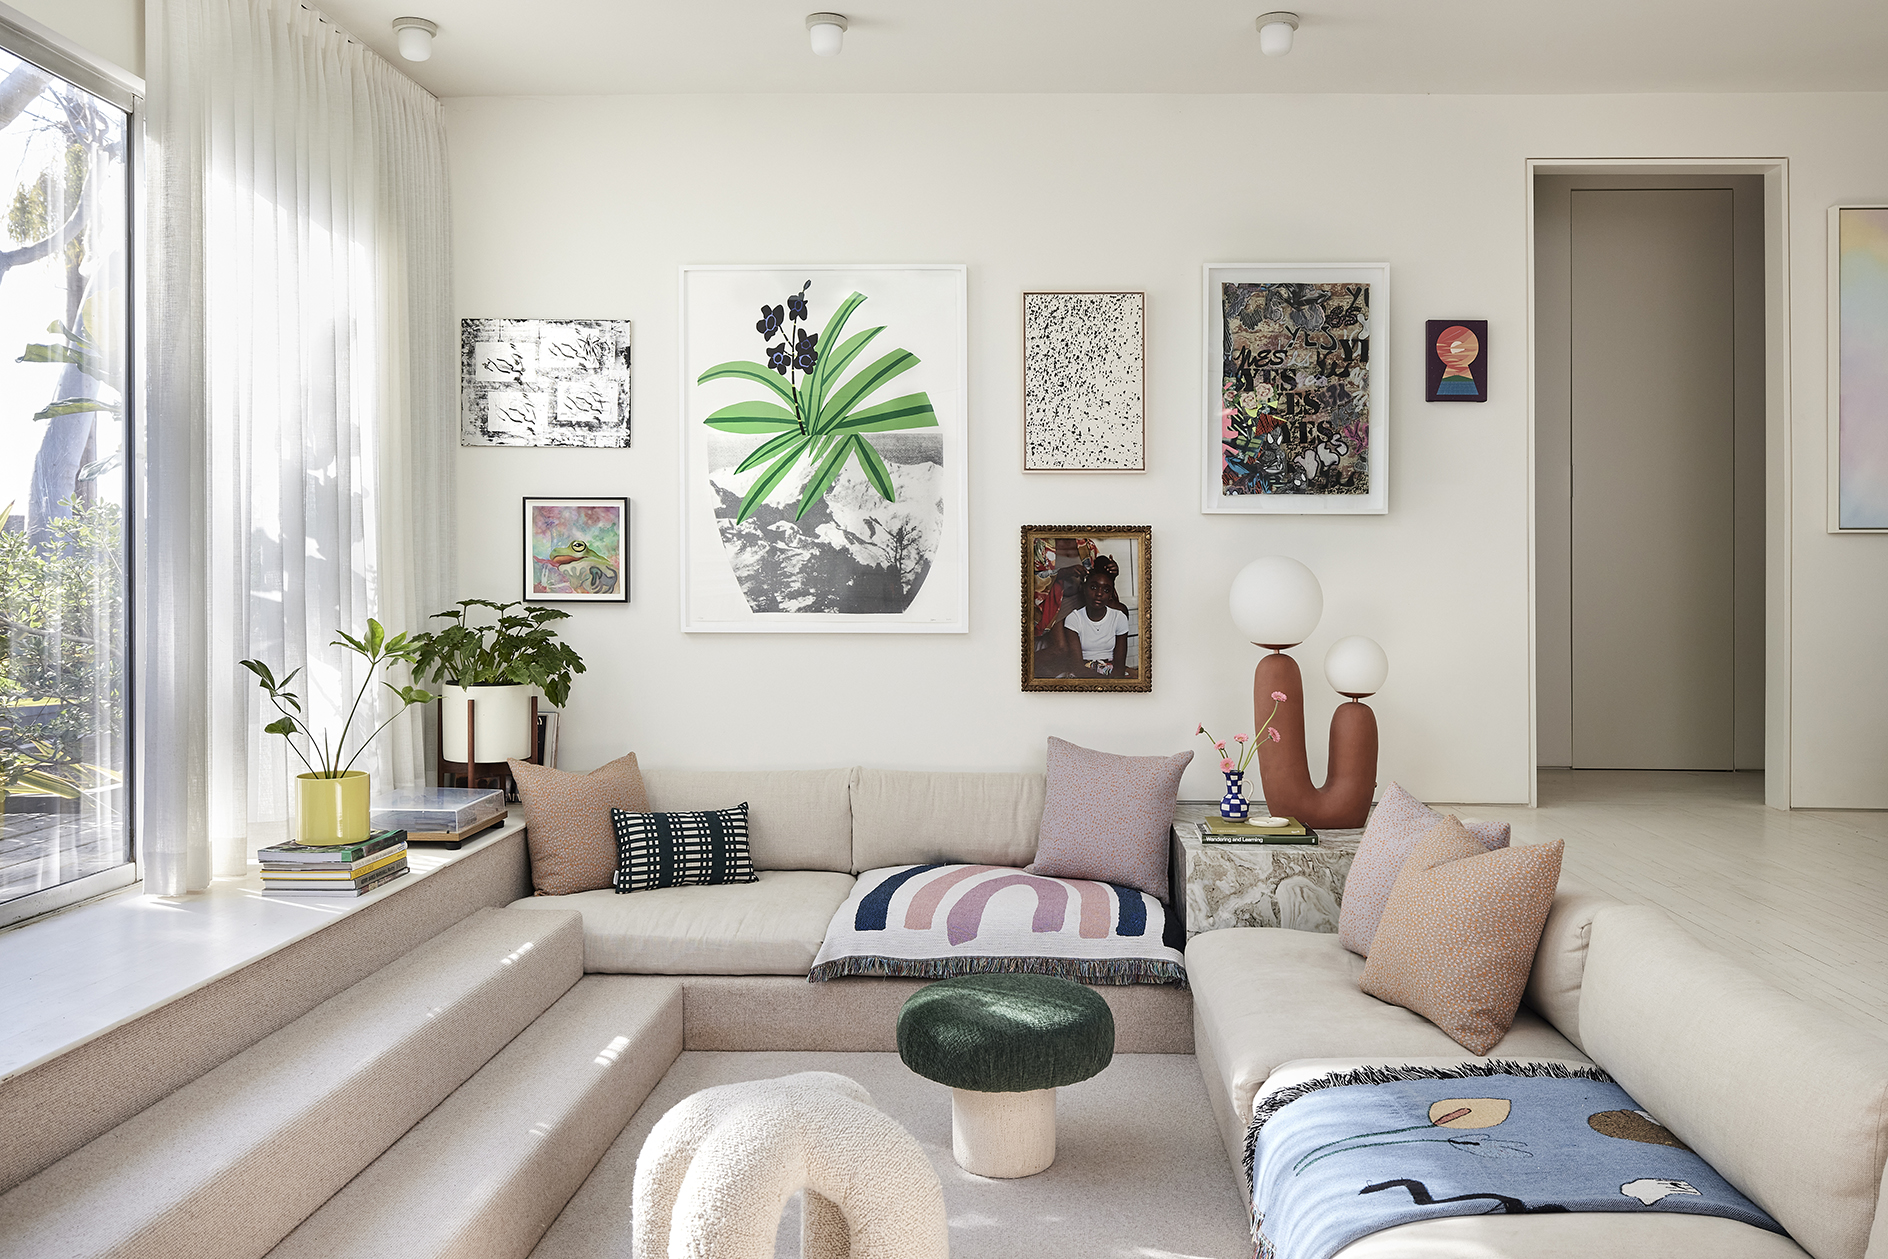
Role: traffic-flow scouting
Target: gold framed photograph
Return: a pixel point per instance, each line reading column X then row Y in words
column 1088, row 608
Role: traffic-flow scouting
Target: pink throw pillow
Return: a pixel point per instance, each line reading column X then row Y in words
column 1395, row 826
column 1108, row 817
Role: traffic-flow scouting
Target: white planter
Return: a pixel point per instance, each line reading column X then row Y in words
column 503, row 715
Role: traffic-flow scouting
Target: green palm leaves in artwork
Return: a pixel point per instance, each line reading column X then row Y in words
column 818, row 417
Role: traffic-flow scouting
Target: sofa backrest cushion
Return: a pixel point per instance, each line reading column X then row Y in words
column 1787, row 1101
column 902, row 817
column 797, row 819
column 1553, row 985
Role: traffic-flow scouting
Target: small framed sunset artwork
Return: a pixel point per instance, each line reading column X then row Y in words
column 1455, row 360
column 576, row 550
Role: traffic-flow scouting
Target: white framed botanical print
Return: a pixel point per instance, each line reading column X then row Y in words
column 823, row 449
column 1296, row 388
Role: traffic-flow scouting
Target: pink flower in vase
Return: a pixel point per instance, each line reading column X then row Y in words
column 1220, row 746
column 1226, row 766
column 1279, row 696
column 1238, row 738
column 1274, row 733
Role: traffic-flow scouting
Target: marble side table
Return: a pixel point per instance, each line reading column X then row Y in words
column 1299, row 886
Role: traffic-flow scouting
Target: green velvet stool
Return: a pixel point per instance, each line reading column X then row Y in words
column 1003, row 1044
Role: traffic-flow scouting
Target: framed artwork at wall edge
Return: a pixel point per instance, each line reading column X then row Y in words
column 1084, row 382
column 1858, row 369
column 1088, row 607
column 1455, row 360
column 1296, row 384
column 576, row 550
column 823, row 461
column 544, row 382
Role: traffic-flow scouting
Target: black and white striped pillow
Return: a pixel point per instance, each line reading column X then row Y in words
column 681, row 849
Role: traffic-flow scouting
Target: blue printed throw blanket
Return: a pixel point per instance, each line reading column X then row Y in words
column 1350, row 1153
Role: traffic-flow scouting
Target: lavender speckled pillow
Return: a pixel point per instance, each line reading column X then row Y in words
column 1398, row 822
column 1107, row 817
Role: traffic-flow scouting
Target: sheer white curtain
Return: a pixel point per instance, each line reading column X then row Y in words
column 301, row 404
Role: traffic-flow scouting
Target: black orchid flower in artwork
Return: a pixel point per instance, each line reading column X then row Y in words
column 805, row 352
column 779, row 357
column 796, row 302
column 771, row 317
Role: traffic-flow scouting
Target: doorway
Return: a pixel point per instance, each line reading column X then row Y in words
column 1650, row 401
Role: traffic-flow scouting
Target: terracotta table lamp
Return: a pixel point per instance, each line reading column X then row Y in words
column 1277, row 602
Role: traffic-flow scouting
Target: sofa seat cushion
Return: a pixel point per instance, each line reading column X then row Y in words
column 1575, row 1237
column 1263, row 996
column 769, row 927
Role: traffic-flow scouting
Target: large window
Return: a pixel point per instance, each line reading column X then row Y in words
column 65, row 361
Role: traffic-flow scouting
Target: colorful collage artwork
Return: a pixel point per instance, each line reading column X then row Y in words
column 1294, row 383
column 575, row 550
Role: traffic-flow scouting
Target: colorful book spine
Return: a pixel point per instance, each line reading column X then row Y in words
column 309, row 887
column 335, row 874
column 330, row 855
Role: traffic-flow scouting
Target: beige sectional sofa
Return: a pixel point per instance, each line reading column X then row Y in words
column 485, row 1073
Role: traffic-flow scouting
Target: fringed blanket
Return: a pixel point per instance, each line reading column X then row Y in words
column 1354, row 1152
column 934, row 921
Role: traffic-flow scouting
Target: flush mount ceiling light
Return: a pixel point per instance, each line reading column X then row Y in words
column 827, row 31
column 415, row 36
column 1275, row 32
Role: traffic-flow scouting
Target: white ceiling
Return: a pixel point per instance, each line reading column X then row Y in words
column 583, row 47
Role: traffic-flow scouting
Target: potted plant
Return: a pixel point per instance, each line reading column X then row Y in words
column 332, row 797
column 495, row 665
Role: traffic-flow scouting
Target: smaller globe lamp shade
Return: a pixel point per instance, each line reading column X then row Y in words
column 1356, row 667
column 827, row 31
column 1276, row 602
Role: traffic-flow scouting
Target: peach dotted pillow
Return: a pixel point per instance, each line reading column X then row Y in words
column 1458, row 936
column 567, row 821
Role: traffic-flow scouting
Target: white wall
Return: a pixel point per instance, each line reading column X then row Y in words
column 575, row 207
column 112, row 29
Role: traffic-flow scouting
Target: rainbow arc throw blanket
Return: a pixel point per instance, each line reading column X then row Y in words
column 934, row 921
column 1349, row 1153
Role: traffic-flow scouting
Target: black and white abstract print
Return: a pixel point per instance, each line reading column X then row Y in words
column 1082, row 382
column 544, row 382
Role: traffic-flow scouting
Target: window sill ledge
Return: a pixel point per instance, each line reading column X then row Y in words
column 75, row 975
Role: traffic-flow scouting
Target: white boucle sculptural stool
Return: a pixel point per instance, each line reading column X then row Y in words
column 718, row 1169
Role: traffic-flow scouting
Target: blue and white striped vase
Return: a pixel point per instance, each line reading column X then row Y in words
column 1232, row 805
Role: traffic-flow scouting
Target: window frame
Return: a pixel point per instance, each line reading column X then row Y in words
column 52, row 52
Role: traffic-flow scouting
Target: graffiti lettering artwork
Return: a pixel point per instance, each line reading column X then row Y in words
column 1295, row 388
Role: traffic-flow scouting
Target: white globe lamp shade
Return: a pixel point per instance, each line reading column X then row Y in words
column 1276, row 602
column 1356, row 666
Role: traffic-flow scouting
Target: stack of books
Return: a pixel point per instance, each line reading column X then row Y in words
column 1220, row 831
column 293, row 869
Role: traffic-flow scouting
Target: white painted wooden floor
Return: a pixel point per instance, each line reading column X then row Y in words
column 1799, row 897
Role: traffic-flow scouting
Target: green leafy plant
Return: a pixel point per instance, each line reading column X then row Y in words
column 378, row 651
column 821, row 420
column 518, row 648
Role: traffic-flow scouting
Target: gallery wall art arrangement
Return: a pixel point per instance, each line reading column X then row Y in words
column 576, row 550
column 1088, row 608
column 1083, row 382
column 1296, row 368
column 1858, row 369
column 1455, row 360
column 544, row 382
column 823, row 456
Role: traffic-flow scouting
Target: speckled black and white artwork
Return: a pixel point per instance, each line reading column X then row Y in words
column 1082, row 382
column 544, row 382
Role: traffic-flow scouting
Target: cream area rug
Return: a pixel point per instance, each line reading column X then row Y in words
column 1139, row 1170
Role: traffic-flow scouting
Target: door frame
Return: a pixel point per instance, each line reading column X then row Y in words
column 1777, row 493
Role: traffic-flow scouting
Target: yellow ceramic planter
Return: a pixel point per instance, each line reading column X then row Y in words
column 332, row 811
